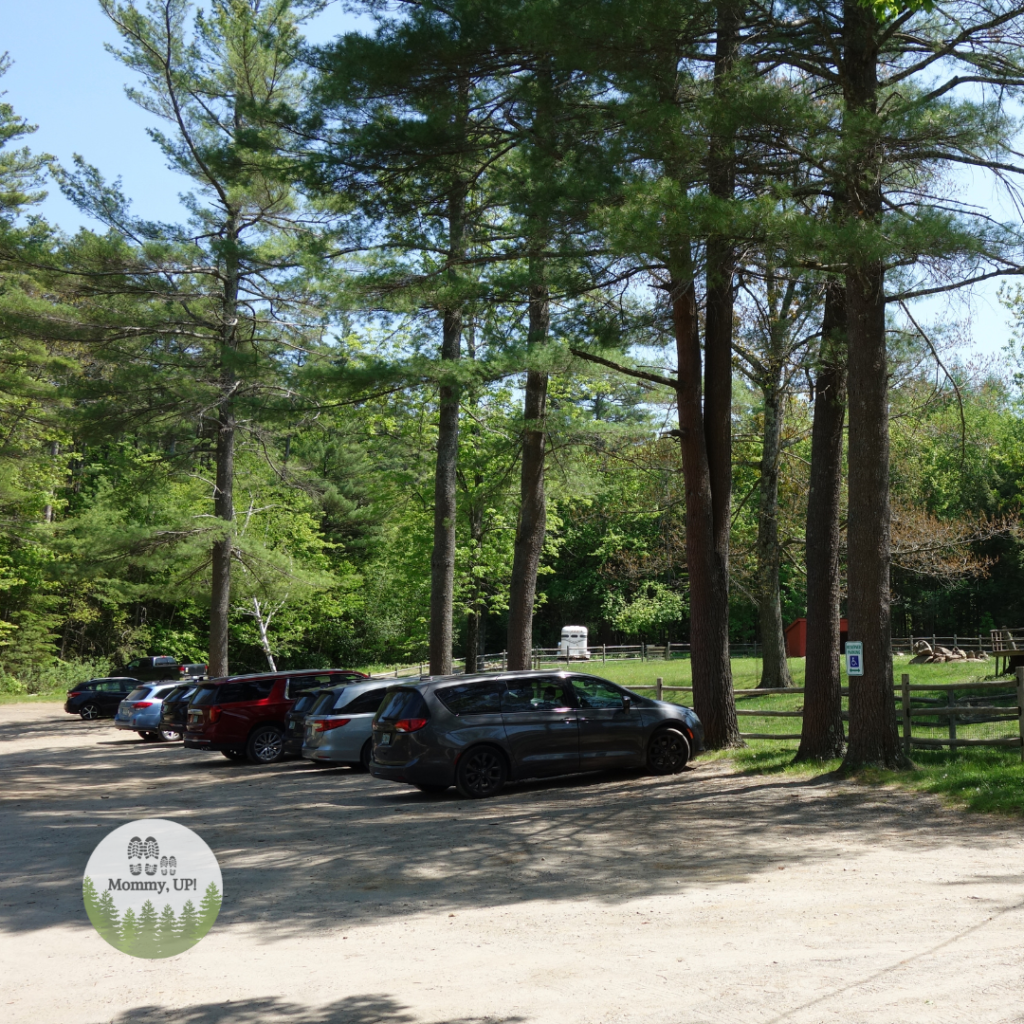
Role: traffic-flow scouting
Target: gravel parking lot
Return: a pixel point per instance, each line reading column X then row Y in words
column 707, row 896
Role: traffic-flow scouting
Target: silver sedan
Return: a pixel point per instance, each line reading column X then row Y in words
column 339, row 726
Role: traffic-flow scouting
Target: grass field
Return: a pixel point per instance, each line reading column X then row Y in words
column 976, row 778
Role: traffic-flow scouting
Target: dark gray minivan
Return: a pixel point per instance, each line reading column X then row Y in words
column 476, row 732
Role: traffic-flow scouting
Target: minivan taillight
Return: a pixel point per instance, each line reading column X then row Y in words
column 327, row 724
column 410, row 724
column 214, row 713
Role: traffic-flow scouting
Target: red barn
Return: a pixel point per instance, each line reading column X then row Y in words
column 796, row 637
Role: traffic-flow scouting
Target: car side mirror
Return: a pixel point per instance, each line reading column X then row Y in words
column 626, row 703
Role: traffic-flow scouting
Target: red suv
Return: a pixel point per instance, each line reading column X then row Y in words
column 243, row 716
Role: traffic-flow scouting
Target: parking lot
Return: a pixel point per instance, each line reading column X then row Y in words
column 707, row 896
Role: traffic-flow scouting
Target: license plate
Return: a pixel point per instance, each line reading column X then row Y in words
column 385, row 739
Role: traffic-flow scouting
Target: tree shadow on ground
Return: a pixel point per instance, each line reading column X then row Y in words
column 351, row 1010
column 304, row 849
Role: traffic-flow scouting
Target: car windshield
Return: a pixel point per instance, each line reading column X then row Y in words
column 138, row 693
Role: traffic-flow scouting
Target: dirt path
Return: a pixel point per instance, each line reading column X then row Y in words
column 704, row 897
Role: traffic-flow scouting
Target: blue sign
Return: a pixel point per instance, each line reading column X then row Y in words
column 854, row 658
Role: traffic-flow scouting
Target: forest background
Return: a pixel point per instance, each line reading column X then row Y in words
column 110, row 421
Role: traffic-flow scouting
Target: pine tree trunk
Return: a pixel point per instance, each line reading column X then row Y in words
column 775, row 671
column 874, row 737
column 223, row 509
column 708, row 584
column 706, row 438
column 473, row 618
column 442, row 559
column 822, row 731
column 529, row 543
column 224, row 482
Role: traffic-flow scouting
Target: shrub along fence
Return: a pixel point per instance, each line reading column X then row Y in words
column 931, row 715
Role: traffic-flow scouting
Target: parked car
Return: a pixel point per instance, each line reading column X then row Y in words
column 174, row 708
column 98, row 698
column 244, row 716
column 295, row 721
column 477, row 732
column 140, row 711
column 339, row 728
column 160, row 667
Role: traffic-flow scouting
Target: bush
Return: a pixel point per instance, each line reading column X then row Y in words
column 56, row 677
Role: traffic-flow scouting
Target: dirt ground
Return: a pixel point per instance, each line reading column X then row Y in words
column 707, row 896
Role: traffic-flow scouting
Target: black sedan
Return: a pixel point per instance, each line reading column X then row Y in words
column 476, row 732
column 99, row 698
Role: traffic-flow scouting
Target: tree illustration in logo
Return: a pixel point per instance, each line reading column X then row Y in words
column 102, row 912
column 189, row 931
column 129, row 937
column 147, row 942
column 148, row 934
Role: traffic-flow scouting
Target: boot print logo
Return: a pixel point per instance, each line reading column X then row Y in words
column 124, row 907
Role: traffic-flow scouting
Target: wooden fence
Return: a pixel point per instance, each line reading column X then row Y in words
column 926, row 711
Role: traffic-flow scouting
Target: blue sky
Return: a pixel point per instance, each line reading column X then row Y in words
column 65, row 82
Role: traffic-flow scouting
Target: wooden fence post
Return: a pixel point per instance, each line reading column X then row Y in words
column 951, row 703
column 658, row 688
column 906, row 713
column 1020, row 708
column 668, row 649
column 604, row 654
column 503, row 653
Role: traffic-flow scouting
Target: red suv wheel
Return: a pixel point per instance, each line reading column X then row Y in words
column 266, row 744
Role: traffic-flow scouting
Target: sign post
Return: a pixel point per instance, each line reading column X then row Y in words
column 854, row 658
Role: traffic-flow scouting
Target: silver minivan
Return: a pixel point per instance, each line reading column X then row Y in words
column 339, row 725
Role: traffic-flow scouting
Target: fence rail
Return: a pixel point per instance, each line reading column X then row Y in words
column 953, row 712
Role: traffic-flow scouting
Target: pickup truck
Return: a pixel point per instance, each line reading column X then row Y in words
column 158, row 668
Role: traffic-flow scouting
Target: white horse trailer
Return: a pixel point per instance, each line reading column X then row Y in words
column 573, row 643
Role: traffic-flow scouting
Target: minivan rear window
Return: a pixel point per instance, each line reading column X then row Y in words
column 472, row 698
column 362, row 704
column 402, row 704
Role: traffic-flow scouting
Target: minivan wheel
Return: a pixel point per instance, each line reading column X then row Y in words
column 481, row 773
column 89, row 711
column 364, row 756
column 169, row 735
column 667, row 752
column 266, row 745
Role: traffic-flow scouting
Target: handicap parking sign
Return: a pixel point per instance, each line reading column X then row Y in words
column 854, row 658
